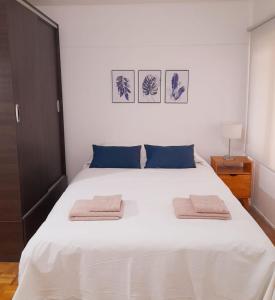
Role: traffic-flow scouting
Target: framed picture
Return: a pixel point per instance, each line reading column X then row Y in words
column 123, row 86
column 149, row 86
column 176, row 86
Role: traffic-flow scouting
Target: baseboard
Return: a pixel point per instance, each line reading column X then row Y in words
column 264, row 217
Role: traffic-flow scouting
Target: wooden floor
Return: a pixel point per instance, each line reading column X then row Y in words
column 8, row 280
column 269, row 231
column 8, row 271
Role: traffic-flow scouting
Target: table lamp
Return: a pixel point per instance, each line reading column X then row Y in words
column 231, row 131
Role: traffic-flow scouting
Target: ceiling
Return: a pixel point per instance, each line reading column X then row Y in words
column 81, row 2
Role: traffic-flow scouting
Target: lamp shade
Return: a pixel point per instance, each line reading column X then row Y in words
column 232, row 131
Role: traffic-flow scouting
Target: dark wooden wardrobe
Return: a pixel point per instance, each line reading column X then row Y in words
column 32, row 159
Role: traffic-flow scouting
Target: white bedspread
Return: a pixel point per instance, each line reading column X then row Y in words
column 149, row 254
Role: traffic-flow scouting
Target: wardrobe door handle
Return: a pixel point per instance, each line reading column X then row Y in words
column 58, row 106
column 17, row 113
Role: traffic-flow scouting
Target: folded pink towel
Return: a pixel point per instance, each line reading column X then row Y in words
column 99, row 203
column 93, row 218
column 105, row 203
column 96, row 209
column 208, row 204
column 185, row 210
column 80, row 215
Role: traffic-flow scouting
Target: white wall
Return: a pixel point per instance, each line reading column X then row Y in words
column 264, row 189
column 264, row 192
column 262, row 9
column 208, row 38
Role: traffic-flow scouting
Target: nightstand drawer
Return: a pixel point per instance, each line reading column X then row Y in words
column 240, row 185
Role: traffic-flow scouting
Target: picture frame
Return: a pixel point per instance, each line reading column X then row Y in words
column 123, row 86
column 149, row 86
column 176, row 86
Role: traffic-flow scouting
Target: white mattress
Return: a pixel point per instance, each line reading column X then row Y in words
column 149, row 254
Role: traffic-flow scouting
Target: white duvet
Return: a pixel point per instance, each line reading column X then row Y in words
column 149, row 254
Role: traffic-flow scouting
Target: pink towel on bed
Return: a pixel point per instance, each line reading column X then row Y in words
column 208, row 204
column 184, row 210
column 100, row 208
column 105, row 203
column 72, row 218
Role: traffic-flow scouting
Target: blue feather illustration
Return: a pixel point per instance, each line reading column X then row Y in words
column 175, row 81
column 177, row 90
column 150, row 85
column 123, row 87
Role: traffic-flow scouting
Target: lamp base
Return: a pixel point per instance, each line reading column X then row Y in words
column 228, row 157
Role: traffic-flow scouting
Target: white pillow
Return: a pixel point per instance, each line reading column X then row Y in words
column 198, row 158
column 200, row 161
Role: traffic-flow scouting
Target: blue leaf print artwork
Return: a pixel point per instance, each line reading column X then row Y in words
column 177, row 89
column 123, row 87
column 150, row 85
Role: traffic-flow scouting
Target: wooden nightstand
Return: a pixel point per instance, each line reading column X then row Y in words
column 236, row 174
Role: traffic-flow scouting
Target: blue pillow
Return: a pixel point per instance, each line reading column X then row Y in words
column 170, row 157
column 116, row 157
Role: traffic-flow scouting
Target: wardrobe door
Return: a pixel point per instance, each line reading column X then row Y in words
column 30, row 123
column 48, row 89
column 10, row 209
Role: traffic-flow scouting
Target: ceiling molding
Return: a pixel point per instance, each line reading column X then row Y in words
column 98, row 2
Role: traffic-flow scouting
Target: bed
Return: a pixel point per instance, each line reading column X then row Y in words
column 149, row 254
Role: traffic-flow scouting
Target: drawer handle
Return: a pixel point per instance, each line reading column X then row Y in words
column 233, row 175
column 17, row 113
